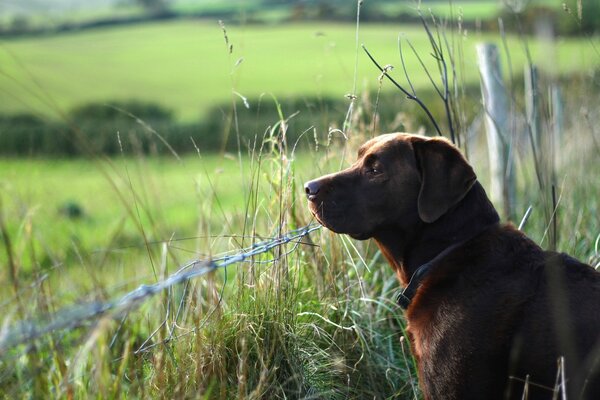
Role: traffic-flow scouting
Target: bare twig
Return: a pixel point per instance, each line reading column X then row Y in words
column 437, row 41
column 438, row 55
column 409, row 95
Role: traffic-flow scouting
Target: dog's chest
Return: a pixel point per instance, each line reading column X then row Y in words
column 441, row 348
column 428, row 328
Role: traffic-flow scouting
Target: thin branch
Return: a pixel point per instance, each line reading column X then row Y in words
column 403, row 90
column 435, row 86
column 412, row 88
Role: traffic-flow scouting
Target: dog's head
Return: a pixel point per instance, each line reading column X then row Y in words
column 397, row 181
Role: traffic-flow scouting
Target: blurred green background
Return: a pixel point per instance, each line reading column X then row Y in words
column 138, row 134
column 166, row 61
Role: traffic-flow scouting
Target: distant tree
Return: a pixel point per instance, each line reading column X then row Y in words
column 583, row 16
column 588, row 14
column 153, row 5
column 19, row 23
column 573, row 17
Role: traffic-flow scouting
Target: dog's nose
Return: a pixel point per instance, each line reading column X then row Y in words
column 311, row 189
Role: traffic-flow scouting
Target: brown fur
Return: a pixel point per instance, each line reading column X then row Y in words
column 494, row 310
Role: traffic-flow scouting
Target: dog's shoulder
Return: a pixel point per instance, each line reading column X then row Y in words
column 501, row 250
column 519, row 251
column 575, row 269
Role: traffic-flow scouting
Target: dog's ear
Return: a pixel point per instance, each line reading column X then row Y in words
column 446, row 177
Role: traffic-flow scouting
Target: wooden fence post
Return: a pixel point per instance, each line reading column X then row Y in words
column 497, row 124
column 557, row 118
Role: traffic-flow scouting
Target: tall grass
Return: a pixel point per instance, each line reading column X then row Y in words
column 314, row 323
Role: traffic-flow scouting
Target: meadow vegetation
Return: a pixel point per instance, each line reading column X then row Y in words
column 185, row 66
column 314, row 319
column 264, row 332
column 179, row 78
column 319, row 322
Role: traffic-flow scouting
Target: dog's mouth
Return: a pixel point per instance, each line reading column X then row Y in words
column 327, row 220
column 317, row 211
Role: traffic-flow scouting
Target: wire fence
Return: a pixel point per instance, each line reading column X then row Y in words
column 26, row 331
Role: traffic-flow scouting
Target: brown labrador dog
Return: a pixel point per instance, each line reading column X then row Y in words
column 487, row 308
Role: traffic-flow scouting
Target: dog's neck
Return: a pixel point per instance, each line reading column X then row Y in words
column 408, row 247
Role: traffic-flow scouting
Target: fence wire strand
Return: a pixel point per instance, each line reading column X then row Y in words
column 26, row 331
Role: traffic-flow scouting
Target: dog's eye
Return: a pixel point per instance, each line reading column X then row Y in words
column 374, row 170
column 372, row 166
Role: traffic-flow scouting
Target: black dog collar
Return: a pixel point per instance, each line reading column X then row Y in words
column 404, row 297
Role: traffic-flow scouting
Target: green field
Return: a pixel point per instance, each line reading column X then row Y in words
column 132, row 206
column 186, row 66
column 168, row 197
column 315, row 319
